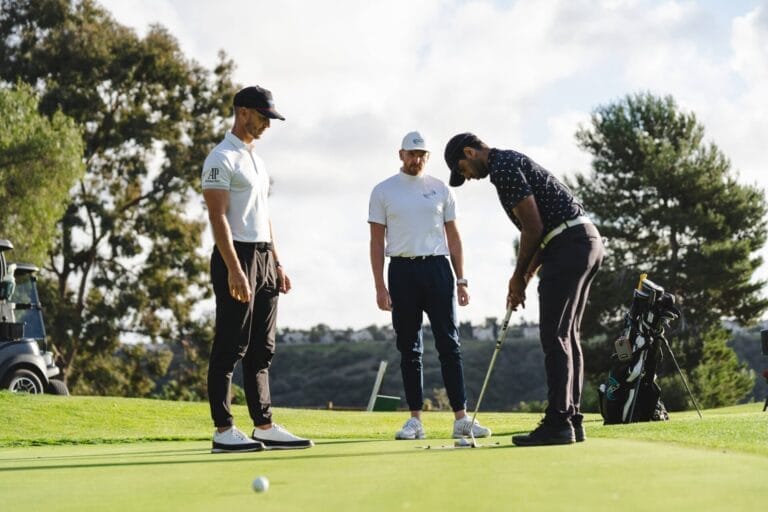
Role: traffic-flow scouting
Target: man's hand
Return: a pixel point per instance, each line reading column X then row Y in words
column 383, row 299
column 238, row 285
column 283, row 281
column 463, row 295
column 516, row 293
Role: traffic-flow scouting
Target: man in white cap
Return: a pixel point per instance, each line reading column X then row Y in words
column 415, row 214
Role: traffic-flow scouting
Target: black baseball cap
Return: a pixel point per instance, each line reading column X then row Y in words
column 257, row 98
column 454, row 151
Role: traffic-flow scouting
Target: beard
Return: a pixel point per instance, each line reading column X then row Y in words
column 415, row 168
column 480, row 169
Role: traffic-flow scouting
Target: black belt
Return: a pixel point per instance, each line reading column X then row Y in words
column 416, row 258
column 258, row 246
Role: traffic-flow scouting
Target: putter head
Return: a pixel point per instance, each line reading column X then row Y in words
column 462, row 442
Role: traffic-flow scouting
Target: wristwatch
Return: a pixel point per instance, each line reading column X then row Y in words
column 462, row 282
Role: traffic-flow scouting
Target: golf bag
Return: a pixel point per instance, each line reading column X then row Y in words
column 631, row 393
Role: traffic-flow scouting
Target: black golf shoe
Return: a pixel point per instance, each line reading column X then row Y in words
column 547, row 433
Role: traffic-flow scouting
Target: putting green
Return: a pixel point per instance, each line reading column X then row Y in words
column 371, row 475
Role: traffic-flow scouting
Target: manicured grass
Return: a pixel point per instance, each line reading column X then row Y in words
column 50, row 460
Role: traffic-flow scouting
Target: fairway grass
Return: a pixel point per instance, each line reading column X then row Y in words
column 88, row 453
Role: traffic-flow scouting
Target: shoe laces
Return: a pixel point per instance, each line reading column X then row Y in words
column 413, row 423
column 239, row 435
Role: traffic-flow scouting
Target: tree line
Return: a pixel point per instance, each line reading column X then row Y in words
column 89, row 105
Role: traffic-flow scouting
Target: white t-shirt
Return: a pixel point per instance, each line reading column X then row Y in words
column 414, row 209
column 233, row 166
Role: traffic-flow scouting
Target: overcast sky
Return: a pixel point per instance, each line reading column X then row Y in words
column 352, row 77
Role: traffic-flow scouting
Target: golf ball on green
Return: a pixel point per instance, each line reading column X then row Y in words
column 260, row 484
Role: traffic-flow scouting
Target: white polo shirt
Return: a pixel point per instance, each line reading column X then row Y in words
column 414, row 209
column 233, row 166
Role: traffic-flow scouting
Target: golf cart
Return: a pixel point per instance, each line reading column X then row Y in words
column 26, row 365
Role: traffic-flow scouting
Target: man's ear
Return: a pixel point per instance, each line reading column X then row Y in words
column 470, row 153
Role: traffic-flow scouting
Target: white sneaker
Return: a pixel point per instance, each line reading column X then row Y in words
column 233, row 440
column 412, row 429
column 461, row 428
column 277, row 438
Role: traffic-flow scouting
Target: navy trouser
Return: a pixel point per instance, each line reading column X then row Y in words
column 426, row 285
column 568, row 266
column 244, row 331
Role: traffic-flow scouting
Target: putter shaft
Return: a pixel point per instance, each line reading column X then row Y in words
column 499, row 340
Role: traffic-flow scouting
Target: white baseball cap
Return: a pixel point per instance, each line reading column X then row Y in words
column 414, row 141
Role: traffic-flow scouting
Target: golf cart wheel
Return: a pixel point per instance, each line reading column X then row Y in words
column 22, row 380
column 57, row 387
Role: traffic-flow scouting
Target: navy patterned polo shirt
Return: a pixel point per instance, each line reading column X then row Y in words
column 516, row 176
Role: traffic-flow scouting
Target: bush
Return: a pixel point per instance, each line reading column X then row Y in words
column 590, row 399
column 720, row 379
column 673, row 393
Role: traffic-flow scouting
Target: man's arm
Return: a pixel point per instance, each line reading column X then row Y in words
column 283, row 281
column 217, row 201
column 457, row 259
column 527, row 212
column 383, row 299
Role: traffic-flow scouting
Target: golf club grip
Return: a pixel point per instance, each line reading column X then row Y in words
column 504, row 325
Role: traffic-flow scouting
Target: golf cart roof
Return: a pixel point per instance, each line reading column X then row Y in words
column 5, row 245
column 23, row 269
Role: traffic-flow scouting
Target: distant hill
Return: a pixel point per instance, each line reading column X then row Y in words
column 344, row 373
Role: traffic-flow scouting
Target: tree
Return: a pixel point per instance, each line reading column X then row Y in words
column 133, row 371
column 40, row 161
column 720, row 379
column 125, row 258
column 668, row 204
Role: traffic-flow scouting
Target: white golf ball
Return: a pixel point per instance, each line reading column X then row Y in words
column 463, row 442
column 260, row 484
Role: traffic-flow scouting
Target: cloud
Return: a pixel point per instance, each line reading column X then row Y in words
column 353, row 77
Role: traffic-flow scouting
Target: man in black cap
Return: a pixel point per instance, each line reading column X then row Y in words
column 247, row 278
column 558, row 241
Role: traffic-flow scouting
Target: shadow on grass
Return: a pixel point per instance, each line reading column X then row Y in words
column 103, row 455
column 151, row 453
column 205, row 458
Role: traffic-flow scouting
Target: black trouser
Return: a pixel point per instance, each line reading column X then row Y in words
column 244, row 331
column 569, row 263
column 426, row 285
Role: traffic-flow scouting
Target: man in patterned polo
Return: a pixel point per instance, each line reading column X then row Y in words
column 558, row 241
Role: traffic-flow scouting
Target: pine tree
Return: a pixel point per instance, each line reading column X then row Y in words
column 669, row 204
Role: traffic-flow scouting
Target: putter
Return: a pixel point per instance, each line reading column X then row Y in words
column 500, row 338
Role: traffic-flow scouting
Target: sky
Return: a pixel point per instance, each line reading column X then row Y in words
column 352, row 77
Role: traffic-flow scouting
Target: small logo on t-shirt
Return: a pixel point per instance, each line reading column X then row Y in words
column 213, row 174
column 429, row 194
